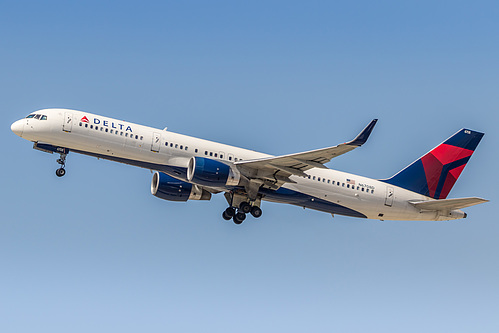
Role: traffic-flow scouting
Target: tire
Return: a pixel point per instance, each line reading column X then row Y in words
column 256, row 211
column 230, row 212
column 245, row 207
column 60, row 172
column 239, row 218
column 225, row 216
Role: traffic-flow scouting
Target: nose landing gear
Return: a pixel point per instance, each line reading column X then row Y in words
column 62, row 162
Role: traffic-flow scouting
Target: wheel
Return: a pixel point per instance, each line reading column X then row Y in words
column 225, row 217
column 245, row 207
column 230, row 212
column 256, row 211
column 239, row 218
column 60, row 172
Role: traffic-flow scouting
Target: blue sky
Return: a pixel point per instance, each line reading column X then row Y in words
column 95, row 251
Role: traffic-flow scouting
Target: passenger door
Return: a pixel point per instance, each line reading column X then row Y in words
column 389, row 197
column 67, row 126
column 156, row 142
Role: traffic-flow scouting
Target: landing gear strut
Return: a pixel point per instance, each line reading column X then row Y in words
column 239, row 202
column 62, row 162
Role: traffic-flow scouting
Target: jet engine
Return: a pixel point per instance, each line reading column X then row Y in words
column 210, row 172
column 169, row 188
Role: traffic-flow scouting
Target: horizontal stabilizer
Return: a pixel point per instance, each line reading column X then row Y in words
column 448, row 204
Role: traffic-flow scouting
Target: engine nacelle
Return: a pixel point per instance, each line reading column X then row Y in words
column 169, row 188
column 210, row 172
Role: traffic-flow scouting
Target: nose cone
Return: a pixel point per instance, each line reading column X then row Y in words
column 18, row 127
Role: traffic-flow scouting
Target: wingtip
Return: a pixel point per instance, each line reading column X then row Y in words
column 364, row 135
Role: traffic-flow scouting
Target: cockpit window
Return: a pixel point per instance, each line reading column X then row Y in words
column 37, row 116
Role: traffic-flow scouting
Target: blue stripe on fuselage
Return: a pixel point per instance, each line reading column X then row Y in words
column 284, row 195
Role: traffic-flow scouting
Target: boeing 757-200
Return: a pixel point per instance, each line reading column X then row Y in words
column 188, row 168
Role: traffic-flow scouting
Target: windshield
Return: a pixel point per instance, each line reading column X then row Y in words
column 37, row 116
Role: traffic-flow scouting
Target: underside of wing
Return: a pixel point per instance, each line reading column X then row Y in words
column 448, row 204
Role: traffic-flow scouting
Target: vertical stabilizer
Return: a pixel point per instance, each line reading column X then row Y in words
column 435, row 173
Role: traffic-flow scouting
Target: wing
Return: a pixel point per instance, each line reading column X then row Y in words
column 297, row 164
column 448, row 204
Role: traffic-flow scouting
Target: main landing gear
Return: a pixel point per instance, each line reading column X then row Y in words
column 243, row 208
column 62, row 162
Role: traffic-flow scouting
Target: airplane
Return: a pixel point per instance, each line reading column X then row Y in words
column 189, row 168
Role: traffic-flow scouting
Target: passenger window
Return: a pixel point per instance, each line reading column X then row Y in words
column 43, row 117
column 343, row 184
column 111, row 132
column 186, row 148
column 211, row 153
column 176, row 145
column 101, row 129
column 319, row 178
column 372, row 191
column 205, row 152
column 126, row 135
column 323, row 180
column 216, row 155
column 181, row 147
column 86, row 125
column 141, row 137
column 230, row 158
column 81, row 124
column 121, row 133
column 221, row 156
column 348, row 185
column 313, row 177
column 91, row 126
column 136, row 137
column 107, row 130
column 362, row 190
column 329, row 181
column 166, row 144
column 235, row 159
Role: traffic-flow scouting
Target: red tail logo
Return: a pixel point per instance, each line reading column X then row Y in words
column 84, row 119
column 442, row 166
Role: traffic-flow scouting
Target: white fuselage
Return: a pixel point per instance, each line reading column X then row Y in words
column 154, row 148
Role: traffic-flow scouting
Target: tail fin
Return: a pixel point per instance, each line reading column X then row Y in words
column 435, row 173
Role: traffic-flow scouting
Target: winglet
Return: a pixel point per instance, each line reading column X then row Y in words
column 364, row 135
